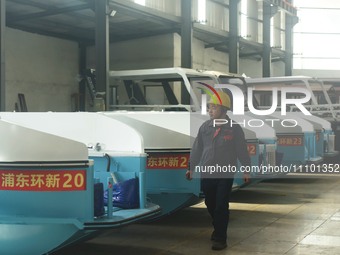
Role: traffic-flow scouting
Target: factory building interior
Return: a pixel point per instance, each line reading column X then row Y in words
column 171, row 127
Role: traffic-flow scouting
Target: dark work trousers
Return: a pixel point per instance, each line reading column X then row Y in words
column 217, row 194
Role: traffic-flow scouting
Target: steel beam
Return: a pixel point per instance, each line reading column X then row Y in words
column 45, row 7
column 51, row 25
column 234, row 44
column 285, row 5
column 249, row 55
column 102, row 47
column 49, row 12
column 116, row 38
column 219, row 44
column 2, row 55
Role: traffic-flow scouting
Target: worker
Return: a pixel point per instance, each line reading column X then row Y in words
column 218, row 145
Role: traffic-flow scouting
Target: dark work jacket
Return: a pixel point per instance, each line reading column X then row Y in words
column 221, row 145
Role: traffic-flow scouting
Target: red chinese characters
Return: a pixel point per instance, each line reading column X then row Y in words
column 43, row 180
column 168, row 161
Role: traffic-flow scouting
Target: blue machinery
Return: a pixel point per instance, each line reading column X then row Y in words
column 165, row 82
column 320, row 140
column 91, row 148
column 313, row 139
column 299, row 144
column 74, row 149
column 47, row 179
column 111, row 140
column 169, row 135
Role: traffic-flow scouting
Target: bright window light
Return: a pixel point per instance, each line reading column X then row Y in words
column 141, row 2
column 201, row 11
column 244, row 18
column 310, row 34
column 272, row 32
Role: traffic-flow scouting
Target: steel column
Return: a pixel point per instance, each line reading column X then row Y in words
column 290, row 23
column 102, row 48
column 186, row 43
column 186, row 34
column 82, row 85
column 234, row 45
column 2, row 55
column 266, row 54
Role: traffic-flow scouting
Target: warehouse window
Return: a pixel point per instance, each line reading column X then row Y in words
column 316, row 37
column 272, row 31
column 201, row 9
column 244, row 18
column 141, row 2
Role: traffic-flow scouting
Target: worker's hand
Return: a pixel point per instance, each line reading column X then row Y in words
column 188, row 175
column 246, row 177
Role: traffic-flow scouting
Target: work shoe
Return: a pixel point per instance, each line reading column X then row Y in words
column 218, row 245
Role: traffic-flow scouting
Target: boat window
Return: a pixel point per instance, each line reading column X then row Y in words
column 150, row 94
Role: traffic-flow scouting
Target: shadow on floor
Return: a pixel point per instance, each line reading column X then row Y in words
column 275, row 191
column 108, row 249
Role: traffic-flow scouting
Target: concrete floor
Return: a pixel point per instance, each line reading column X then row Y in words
column 286, row 216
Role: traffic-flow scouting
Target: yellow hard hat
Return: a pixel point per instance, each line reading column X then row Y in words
column 221, row 98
